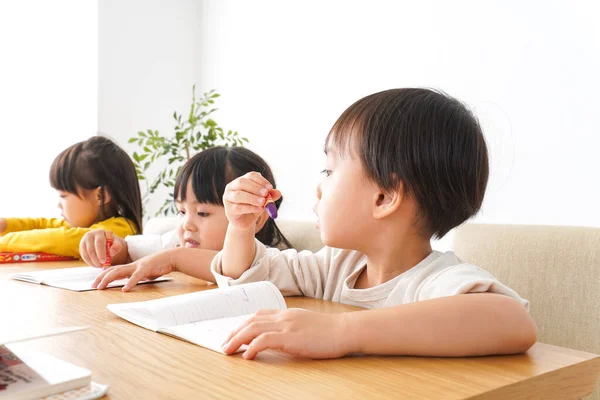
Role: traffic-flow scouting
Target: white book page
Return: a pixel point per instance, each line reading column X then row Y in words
column 200, row 306
column 78, row 279
column 55, row 274
column 210, row 333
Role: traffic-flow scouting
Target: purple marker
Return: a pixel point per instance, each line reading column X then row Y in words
column 271, row 207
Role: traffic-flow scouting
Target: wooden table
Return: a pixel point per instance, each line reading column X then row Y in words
column 138, row 363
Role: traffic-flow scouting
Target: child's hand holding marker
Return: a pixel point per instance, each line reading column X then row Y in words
column 100, row 248
column 247, row 197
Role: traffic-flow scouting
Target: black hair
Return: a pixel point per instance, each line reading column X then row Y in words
column 99, row 162
column 425, row 140
column 212, row 169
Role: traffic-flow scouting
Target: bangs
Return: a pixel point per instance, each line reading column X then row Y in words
column 65, row 171
column 348, row 131
column 207, row 176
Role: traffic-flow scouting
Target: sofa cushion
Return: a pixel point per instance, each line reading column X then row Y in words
column 557, row 268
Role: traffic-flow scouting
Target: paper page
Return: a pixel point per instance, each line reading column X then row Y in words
column 201, row 306
column 210, row 333
column 78, row 279
column 21, row 336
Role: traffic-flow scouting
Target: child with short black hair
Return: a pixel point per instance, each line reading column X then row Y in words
column 403, row 166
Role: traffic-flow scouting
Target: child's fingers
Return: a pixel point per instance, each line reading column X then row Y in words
column 249, row 333
column 260, row 315
column 133, row 280
column 83, row 253
column 267, row 340
column 114, row 273
column 246, row 184
column 100, row 246
column 90, row 250
column 241, row 209
column 100, row 277
column 275, row 194
column 259, row 179
column 116, row 247
column 241, row 197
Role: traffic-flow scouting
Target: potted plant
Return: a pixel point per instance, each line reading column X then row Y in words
column 191, row 134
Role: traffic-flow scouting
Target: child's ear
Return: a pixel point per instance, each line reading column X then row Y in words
column 102, row 195
column 261, row 221
column 386, row 203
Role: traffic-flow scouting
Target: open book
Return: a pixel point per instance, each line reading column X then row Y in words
column 204, row 318
column 27, row 374
column 78, row 279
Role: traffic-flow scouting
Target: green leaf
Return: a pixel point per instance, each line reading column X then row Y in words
column 142, row 134
column 136, row 157
column 132, row 140
column 147, row 150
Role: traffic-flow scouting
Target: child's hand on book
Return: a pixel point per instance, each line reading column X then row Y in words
column 92, row 249
column 146, row 268
column 245, row 197
column 294, row 331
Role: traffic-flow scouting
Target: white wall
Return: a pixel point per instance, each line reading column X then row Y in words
column 48, row 95
column 147, row 66
column 529, row 69
column 287, row 70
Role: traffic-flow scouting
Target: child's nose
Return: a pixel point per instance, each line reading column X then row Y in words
column 188, row 225
column 319, row 191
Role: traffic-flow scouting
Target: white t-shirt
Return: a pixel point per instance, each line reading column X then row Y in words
column 140, row 246
column 330, row 274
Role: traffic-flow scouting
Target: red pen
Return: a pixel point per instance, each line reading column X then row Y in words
column 109, row 242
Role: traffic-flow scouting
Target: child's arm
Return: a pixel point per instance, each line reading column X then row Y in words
column 63, row 240
column 244, row 200
column 26, row 224
column 193, row 262
column 455, row 326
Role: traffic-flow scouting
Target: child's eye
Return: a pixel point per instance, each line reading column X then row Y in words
column 326, row 172
column 203, row 214
column 180, row 213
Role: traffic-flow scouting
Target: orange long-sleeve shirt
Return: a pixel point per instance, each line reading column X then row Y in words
column 54, row 235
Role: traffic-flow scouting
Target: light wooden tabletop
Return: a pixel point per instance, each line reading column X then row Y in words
column 138, row 363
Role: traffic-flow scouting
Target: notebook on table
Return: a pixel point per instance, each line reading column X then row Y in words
column 204, row 318
column 78, row 279
column 28, row 374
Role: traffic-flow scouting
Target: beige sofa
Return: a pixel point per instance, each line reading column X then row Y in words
column 556, row 268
